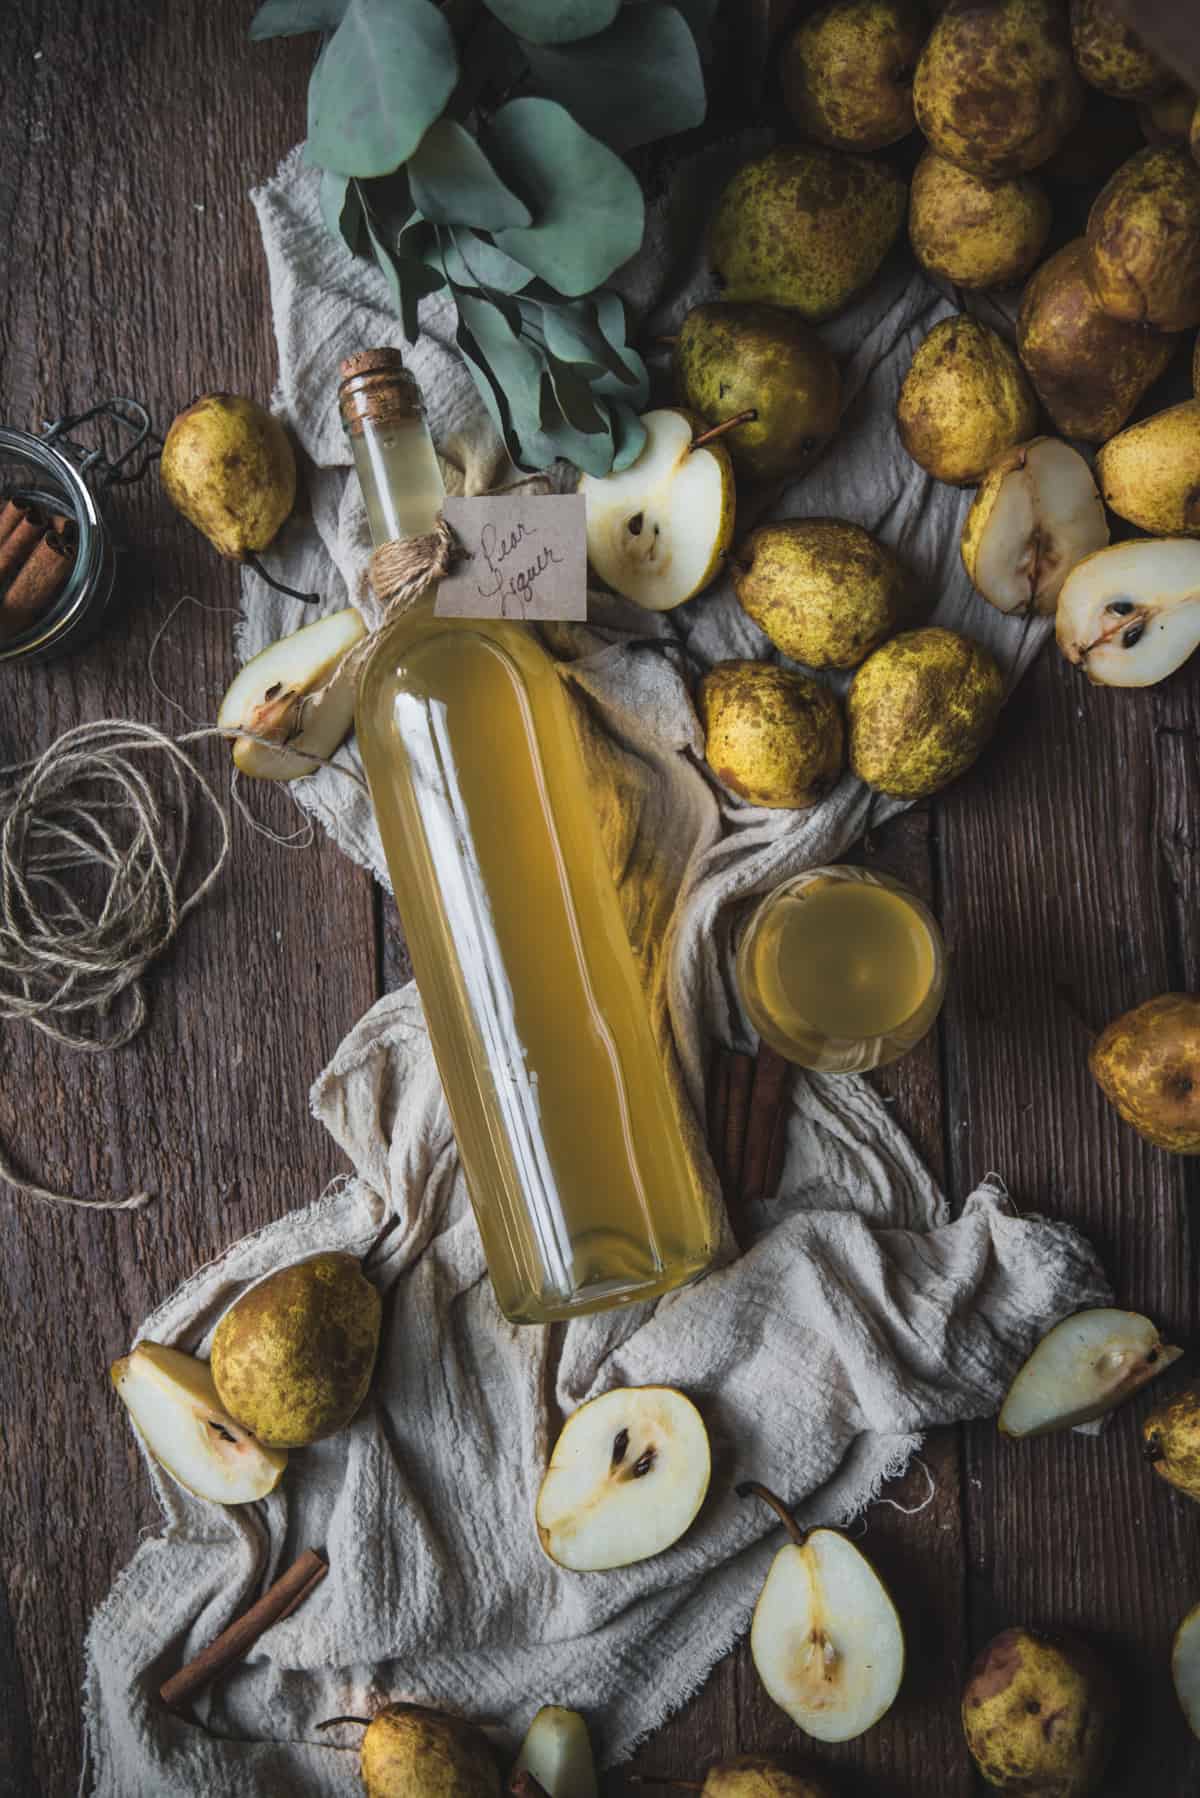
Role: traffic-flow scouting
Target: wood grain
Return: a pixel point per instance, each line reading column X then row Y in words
column 129, row 135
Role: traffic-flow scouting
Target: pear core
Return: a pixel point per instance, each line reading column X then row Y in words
column 292, row 1358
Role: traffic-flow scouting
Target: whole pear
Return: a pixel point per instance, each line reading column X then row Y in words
column 1040, row 1715
column 754, row 1776
column 1089, row 370
column 996, row 89
column 972, row 231
column 847, row 72
column 1147, row 1065
column 733, row 358
column 774, row 737
column 408, row 1752
column 292, row 1358
column 1168, row 120
column 228, row 466
column 825, row 591
column 965, row 400
column 920, row 711
column 805, row 226
column 1110, row 55
column 1171, row 1440
column 1143, row 241
column 1150, row 472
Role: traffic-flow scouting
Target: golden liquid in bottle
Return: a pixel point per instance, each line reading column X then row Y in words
column 841, row 971
column 565, row 1122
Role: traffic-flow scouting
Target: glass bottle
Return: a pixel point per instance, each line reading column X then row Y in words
column 569, row 1137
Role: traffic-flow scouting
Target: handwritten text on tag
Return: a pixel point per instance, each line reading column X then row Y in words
column 522, row 556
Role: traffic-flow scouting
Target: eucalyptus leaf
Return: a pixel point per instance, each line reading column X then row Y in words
column 638, row 81
column 629, row 435
column 486, row 385
column 342, row 210
column 699, row 15
column 515, row 364
column 408, row 279
column 453, row 183
column 588, row 210
column 572, row 331
column 554, row 21
column 610, row 315
column 473, row 261
column 294, row 18
column 575, row 400
column 591, row 451
column 381, row 81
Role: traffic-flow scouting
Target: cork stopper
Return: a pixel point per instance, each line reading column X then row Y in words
column 375, row 385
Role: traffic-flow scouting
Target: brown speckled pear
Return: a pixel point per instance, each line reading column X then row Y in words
column 754, row 1776
column 806, row 227
column 1147, row 1065
column 847, row 72
column 965, row 401
column 774, row 737
column 228, row 466
column 996, row 89
column 292, row 1358
column 1040, row 1716
column 824, row 590
column 1171, row 1440
column 1089, row 370
column 1143, row 241
column 1150, row 472
column 920, row 711
column 972, row 231
column 730, row 359
column 408, row 1752
column 1111, row 56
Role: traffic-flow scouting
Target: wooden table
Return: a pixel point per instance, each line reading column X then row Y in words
column 129, row 135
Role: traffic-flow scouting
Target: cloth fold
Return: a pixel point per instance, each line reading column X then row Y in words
column 862, row 1314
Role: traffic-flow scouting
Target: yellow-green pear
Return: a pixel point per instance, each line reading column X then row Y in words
column 965, row 401
column 1143, row 241
column 1147, row 1065
column 1171, row 1440
column 409, row 1752
column 1089, row 370
column 1040, row 1715
column 824, row 590
column 1111, row 56
column 292, row 1358
column 996, row 89
column 1150, row 472
column 972, row 231
column 731, row 359
column 754, row 1776
column 847, row 72
column 775, row 738
column 228, row 466
column 805, row 226
column 920, row 710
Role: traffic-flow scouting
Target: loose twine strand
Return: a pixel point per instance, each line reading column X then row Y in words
column 92, row 857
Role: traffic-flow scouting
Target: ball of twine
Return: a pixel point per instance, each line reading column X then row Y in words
column 93, row 886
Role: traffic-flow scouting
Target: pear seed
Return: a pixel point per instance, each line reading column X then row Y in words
column 620, row 1446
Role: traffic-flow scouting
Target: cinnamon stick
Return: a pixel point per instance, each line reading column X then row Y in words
column 37, row 583
column 716, row 1104
column 11, row 514
column 279, row 1601
column 766, row 1128
column 21, row 541
column 737, row 1120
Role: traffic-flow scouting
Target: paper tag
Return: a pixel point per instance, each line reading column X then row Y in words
column 521, row 556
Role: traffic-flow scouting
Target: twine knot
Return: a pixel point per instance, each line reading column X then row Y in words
column 402, row 568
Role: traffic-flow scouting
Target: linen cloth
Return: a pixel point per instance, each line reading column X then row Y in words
column 863, row 1313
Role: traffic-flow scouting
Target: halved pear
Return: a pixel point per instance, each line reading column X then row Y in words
column 175, row 1409
column 826, row 1640
column 558, row 1753
column 290, row 692
column 1185, row 1668
column 1129, row 615
column 1087, row 1365
column 1036, row 515
column 628, row 1474
column 658, row 530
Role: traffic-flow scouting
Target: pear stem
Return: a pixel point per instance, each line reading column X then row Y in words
column 1070, row 1005
column 252, row 561
column 330, row 1722
column 726, row 424
column 752, row 1489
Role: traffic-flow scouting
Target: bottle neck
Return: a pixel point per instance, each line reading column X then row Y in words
column 399, row 475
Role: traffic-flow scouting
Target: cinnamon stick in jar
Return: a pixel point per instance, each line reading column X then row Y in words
column 23, row 538
column 36, row 585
